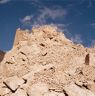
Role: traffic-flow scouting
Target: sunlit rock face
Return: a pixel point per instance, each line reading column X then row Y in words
column 43, row 62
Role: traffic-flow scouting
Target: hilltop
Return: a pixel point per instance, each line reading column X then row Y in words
column 43, row 62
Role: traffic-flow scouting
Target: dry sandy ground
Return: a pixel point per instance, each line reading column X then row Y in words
column 44, row 62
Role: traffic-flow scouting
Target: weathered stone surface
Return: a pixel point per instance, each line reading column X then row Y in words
column 20, row 36
column 51, row 94
column 54, row 94
column 43, row 62
column 13, row 83
column 19, row 92
column 38, row 89
column 73, row 90
column 3, row 90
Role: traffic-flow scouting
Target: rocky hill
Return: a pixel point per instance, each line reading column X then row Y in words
column 44, row 62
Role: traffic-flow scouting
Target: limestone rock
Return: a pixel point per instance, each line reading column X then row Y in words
column 54, row 94
column 38, row 89
column 73, row 90
column 43, row 62
column 13, row 83
column 3, row 90
column 19, row 92
column 20, row 36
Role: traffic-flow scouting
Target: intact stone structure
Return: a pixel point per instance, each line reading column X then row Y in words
column 44, row 62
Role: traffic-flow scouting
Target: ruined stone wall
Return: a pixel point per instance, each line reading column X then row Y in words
column 21, row 35
column 45, row 63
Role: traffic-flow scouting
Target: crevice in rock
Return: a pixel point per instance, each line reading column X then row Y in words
column 43, row 45
column 56, row 40
column 50, row 38
column 52, row 69
column 55, row 90
column 66, row 94
column 22, row 53
column 81, row 73
column 82, row 86
column 23, row 59
column 8, row 62
column 78, row 85
column 85, row 86
column 27, row 94
column 26, row 57
column 44, row 54
column 94, row 81
column 25, row 81
column 51, row 90
column 87, row 59
column 73, row 47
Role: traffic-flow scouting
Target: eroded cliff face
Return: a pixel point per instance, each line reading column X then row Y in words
column 44, row 62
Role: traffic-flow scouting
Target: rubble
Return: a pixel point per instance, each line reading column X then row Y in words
column 43, row 62
column 73, row 90
column 13, row 83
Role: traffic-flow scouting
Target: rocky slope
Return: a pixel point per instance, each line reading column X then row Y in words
column 44, row 62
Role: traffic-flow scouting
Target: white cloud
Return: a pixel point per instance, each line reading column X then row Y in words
column 44, row 15
column 77, row 39
column 92, row 25
column 93, row 43
column 88, row 2
column 62, row 27
column 4, row 1
column 26, row 19
column 53, row 13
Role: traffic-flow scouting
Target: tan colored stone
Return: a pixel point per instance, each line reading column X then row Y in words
column 20, row 36
column 38, row 89
column 91, row 86
column 73, row 90
column 46, row 59
column 51, row 94
column 92, row 59
column 19, row 92
column 3, row 89
column 13, row 83
column 61, row 94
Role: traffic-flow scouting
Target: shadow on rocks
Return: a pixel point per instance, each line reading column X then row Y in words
column 2, row 54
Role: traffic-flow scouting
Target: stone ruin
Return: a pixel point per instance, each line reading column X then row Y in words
column 44, row 62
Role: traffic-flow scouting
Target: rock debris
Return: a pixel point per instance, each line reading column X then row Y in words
column 44, row 62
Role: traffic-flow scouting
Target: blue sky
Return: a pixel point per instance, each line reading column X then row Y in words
column 76, row 18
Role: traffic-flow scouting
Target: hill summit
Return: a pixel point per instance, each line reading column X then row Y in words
column 43, row 62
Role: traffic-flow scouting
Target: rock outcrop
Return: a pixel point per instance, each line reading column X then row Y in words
column 44, row 62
